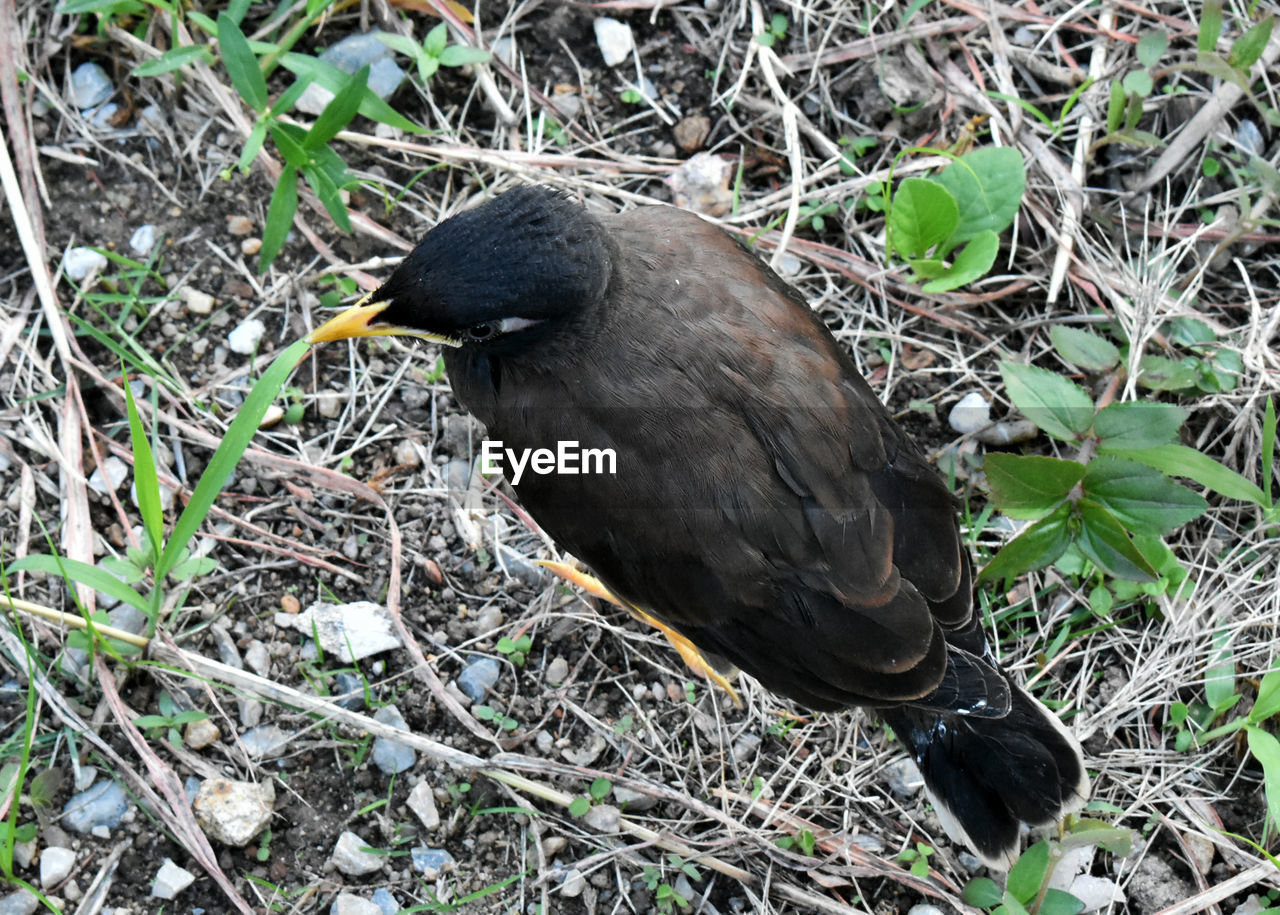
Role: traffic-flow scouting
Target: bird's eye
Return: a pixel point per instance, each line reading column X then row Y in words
column 482, row 331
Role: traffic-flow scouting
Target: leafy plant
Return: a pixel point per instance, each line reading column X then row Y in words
column 169, row 722
column 159, row 557
column 774, row 32
column 488, row 713
column 631, row 96
column 1103, row 514
column 968, row 203
column 665, row 896
column 804, row 839
column 596, row 793
column 434, row 52
column 516, row 649
column 1027, row 886
column 918, row 858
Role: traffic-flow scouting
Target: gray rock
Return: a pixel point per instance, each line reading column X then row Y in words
column 385, row 901
column 352, row 688
column 266, row 742
column 201, row 734
column 904, row 777
column 431, row 862
column 391, row 756
column 573, row 884
column 90, row 86
column 422, row 802
column 351, row 904
column 350, row 858
column 22, row 902
column 232, row 812
column 557, row 671
column 1096, row 892
column 105, row 804
column 478, row 677
column 171, row 880
column 351, row 631
column 258, row 658
column 109, row 475
column 924, row 909
column 1253, row 905
column 603, row 818
column 349, row 55
column 632, row 801
column 55, row 865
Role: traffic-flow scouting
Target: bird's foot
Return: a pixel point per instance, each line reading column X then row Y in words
column 689, row 652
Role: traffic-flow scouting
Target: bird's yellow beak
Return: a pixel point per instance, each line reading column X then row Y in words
column 357, row 321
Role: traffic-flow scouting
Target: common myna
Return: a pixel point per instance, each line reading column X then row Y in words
column 764, row 505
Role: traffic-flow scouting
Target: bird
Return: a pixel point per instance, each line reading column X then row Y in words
column 766, row 511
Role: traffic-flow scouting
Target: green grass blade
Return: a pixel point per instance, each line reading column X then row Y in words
column 224, row 460
column 284, row 203
column 85, row 574
column 1268, row 449
column 241, row 65
column 145, row 482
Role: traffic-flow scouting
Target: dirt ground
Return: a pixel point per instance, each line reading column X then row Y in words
column 596, row 695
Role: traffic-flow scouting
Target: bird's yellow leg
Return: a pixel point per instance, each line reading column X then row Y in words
column 687, row 650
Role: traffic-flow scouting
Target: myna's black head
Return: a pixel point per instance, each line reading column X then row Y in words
column 503, row 275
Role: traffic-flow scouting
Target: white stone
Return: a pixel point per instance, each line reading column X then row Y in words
column 614, row 39
column 143, row 240
column 55, row 864
column 574, row 884
column 422, row 802
column 197, row 302
column 78, row 263
column 350, row 857
column 970, row 413
column 350, row 631
column 171, row 880
column 245, row 338
column 231, row 812
column 1251, row 906
column 350, row 904
column 109, row 475
column 1096, row 892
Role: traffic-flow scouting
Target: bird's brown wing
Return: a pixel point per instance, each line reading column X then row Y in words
column 765, row 505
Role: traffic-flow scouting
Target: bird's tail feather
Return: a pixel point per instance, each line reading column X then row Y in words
column 987, row 776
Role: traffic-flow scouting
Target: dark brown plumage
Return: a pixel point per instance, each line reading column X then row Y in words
column 765, row 504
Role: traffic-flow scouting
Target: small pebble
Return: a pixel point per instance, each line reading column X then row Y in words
column 171, row 880
column 55, row 865
column 691, row 133
column 250, row 246
column 143, row 240
column 478, row 677
column 197, row 302
column 573, row 885
column 109, row 475
column 431, row 862
column 239, row 225
column 406, row 453
column 233, row 812
column 422, row 802
column 80, row 262
column 970, row 413
column 200, row 734
column 391, row 756
column 349, row 55
column 350, row 858
column 903, row 777
column 271, row 417
column 557, row 671
column 90, row 86
column 267, row 741
column 614, row 39
column 245, row 338
column 105, row 804
column 351, row 904
column 603, row 818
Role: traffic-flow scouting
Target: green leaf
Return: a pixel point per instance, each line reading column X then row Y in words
column 82, row 572
column 1059, row 407
column 600, row 788
column 1266, row 750
column 987, row 185
column 1107, row 545
column 436, row 39
column 981, row 892
column 1161, row 374
column 1138, row 424
column 1058, row 902
column 1138, row 82
column 284, row 203
column 237, row 438
column 1151, row 47
column 1028, row 873
column 1115, row 108
column 333, row 79
column 928, row 267
column 1181, row 461
column 146, row 484
column 1210, row 26
column 1141, row 497
column 173, row 59
column 253, row 144
column 1220, row 675
column 1267, row 704
column 289, row 141
column 458, row 55
column 973, row 261
column 1030, row 487
column 923, row 215
column 1246, row 49
column 1084, row 349
column 327, row 191
column 1269, row 431
column 339, row 112
column 1036, row 547
column 579, row 806
column 122, row 569
column 241, row 65
column 194, row 568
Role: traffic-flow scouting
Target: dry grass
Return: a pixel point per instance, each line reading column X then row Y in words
column 1085, row 241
